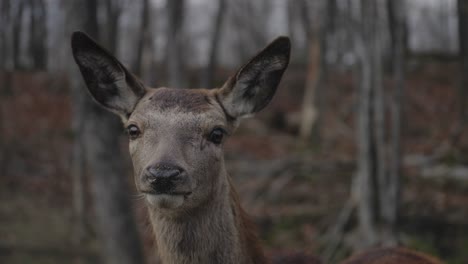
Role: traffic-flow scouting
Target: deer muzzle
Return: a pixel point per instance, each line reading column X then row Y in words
column 164, row 178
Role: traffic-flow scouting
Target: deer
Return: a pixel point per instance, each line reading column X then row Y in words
column 176, row 139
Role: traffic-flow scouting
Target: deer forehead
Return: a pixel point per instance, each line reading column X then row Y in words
column 179, row 108
column 185, row 100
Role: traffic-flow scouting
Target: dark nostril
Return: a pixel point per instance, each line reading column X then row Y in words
column 163, row 171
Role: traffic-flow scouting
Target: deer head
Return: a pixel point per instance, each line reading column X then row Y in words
column 176, row 136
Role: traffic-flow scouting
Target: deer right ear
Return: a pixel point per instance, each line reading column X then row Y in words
column 108, row 81
column 254, row 84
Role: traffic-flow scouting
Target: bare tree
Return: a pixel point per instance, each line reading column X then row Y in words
column 309, row 109
column 249, row 33
column 379, row 106
column 17, row 23
column 77, row 169
column 174, row 46
column 113, row 10
column 145, row 43
column 377, row 186
column 38, row 34
column 4, row 20
column 364, row 185
column 20, row 39
column 397, row 25
column 462, row 7
column 79, row 112
column 317, row 38
column 208, row 76
column 5, row 77
column 115, row 223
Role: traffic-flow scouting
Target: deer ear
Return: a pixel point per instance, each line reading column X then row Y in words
column 254, row 84
column 108, row 81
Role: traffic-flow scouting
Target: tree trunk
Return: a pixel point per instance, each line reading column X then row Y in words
column 364, row 189
column 82, row 16
column 5, row 22
column 174, row 47
column 144, row 42
column 208, row 76
column 312, row 104
column 78, row 162
column 378, row 186
column 378, row 107
column 397, row 21
column 385, row 206
column 16, row 31
column 6, row 90
column 309, row 110
column 115, row 224
column 114, row 215
column 38, row 34
column 462, row 7
column 113, row 12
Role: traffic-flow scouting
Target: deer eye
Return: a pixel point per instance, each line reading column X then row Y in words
column 216, row 135
column 133, row 131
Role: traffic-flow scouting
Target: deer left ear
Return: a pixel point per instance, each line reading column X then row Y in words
column 108, row 81
column 254, row 84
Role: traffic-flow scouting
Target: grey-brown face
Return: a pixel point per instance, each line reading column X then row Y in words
column 176, row 140
column 176, row 136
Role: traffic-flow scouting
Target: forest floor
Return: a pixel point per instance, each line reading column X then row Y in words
column 294, row 191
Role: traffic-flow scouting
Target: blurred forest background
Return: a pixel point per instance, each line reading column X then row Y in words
column 364, row 144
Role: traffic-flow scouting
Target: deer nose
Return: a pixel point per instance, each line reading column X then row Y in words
column 163, row 177
column 163, row 171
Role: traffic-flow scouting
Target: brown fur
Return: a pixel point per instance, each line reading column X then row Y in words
column 247, row 229
column 210, row 226
column 219, row 231
column 193, row 100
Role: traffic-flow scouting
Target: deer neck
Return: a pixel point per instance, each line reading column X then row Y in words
column 220, row 232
